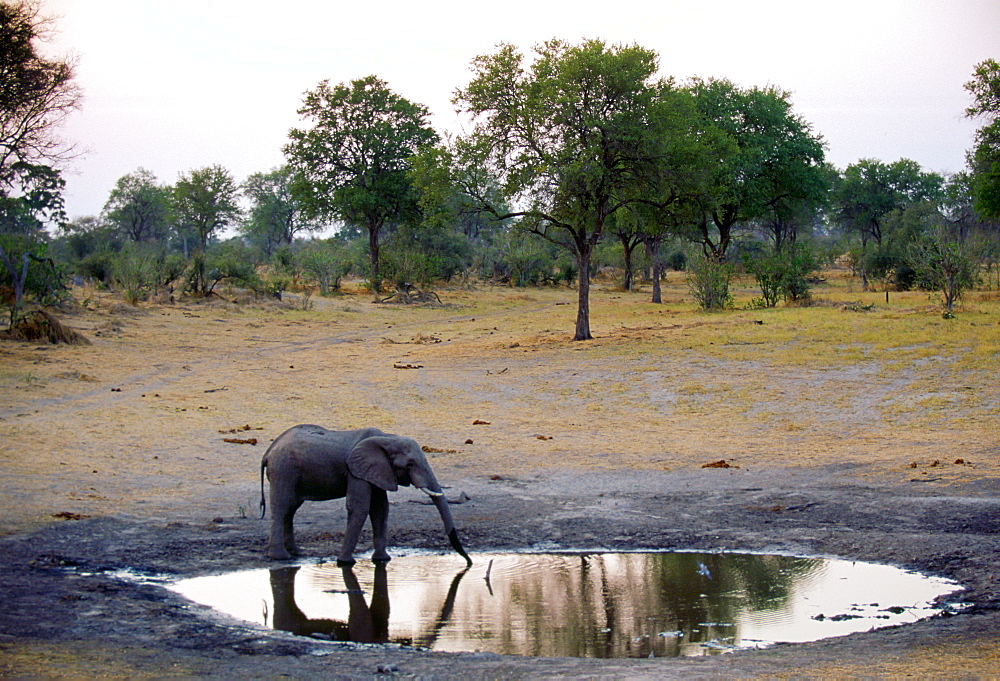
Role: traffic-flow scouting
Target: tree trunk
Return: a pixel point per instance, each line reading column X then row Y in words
column 19, row 280
column 373, row 250
column 628, row 245
column 653, row 251
column 862, row 266
column 583, row 298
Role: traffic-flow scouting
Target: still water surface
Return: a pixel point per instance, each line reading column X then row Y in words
column 577, row 604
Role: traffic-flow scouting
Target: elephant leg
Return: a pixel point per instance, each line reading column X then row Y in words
column 359, row 495
column 379, row 512
column 281, row 543
column 290, row 544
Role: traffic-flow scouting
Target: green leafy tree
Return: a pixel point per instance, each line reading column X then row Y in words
column 958, row 208
column 139, row 207
column 984, row 158
column 205, row 201
column 564, row 137
column 772, row 158
column 868, row 193
column 36, row 95
column 353, row 164
column 688, row 149
column 26, row 269
column 276, row 215
column 628, row 231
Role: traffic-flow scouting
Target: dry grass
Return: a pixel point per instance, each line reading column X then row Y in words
column 121, row 425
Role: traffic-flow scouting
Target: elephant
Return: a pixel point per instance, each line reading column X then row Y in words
column 310, row 463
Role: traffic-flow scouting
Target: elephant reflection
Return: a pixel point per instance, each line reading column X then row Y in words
column 366, row 623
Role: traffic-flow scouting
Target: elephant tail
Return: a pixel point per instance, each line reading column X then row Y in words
column 263, row 503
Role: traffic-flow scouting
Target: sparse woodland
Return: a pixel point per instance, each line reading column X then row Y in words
column 580, row 161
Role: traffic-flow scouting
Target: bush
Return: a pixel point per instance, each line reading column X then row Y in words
column 326, row 261
column 677, row 260
column 26, row 271
column 520, row 259
column 97, row 266
column 231, row 261
column 425, row 254
column 782, row 274
column 945, row 264
column 138, row 268
column 709, row 280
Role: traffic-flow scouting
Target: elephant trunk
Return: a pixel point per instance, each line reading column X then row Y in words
column 449, row 525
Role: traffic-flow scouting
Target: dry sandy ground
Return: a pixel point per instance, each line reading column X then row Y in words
column 114, row 456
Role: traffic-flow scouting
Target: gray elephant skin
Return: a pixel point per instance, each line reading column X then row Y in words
column 311, row 463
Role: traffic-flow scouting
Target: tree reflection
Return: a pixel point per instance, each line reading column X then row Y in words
column 553, row 605
column 624, row 605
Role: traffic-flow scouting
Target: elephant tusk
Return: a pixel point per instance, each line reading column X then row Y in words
column 431, row 493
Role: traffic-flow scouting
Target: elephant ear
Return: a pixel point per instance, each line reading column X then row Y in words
column 370, row 462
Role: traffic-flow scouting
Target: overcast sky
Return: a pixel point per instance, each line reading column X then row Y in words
column 176, row 85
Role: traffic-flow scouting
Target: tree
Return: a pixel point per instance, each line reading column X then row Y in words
column 36, row 94
column 205, row 201
column 276, row 215
column 139, row 207
column 352, row 164
column 870, row 191
column 628, row 231
column 35, row 97
column 984, row 158
column 453, row 220
column 565, row 138
column 772, row 160
column 687, row 150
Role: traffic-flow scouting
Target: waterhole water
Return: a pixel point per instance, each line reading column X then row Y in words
column 577, row 604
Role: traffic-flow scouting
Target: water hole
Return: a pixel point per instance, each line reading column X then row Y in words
column 599, row 605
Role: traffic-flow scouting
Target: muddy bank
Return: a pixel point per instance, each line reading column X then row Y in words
column 64, row 591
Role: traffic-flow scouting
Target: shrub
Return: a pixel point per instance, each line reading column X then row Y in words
column 677, row 260
column 945, row 264
column 782, row 274
column 138, row 268
column 709, row 280
column 327, row 261
column 27, row 271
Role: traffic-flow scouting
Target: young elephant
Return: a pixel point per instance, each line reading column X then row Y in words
column 310, row 463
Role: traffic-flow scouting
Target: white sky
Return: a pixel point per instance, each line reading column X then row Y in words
column 180, row 84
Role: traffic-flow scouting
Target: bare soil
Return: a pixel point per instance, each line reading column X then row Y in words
column 115, row 457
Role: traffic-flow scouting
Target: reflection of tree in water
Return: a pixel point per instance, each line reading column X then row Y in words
column 590, row 605
column 631, row 605
column 707, row 593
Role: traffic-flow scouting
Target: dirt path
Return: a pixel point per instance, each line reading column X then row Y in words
column 114, row 458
